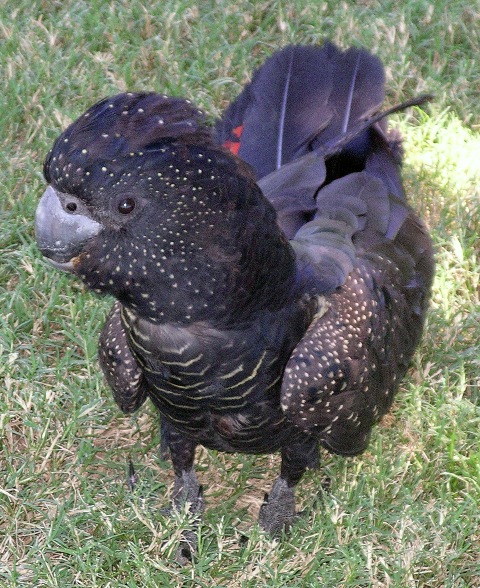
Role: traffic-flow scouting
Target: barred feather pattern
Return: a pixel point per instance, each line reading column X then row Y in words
column 271, row 279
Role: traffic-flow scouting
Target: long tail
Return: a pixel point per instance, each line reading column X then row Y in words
column 310, row 116
column 300, row 99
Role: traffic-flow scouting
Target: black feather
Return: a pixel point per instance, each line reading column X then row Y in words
column 301, row 98
column 254, row 322
column 276, row 112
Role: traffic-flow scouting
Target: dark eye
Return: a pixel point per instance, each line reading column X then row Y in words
column 126, row 206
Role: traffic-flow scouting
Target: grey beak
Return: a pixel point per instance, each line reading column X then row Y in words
column 62, row 227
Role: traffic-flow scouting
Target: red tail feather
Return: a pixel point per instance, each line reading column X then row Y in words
column 233, row 145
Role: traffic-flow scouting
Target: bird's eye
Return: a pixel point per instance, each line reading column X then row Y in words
column 126, row 206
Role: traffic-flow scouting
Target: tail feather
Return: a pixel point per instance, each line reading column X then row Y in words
column 301, row 98
column 310, row 125
column 275, row 113
column 357, row 90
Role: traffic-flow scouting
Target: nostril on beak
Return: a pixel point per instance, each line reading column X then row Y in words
column 71, row 206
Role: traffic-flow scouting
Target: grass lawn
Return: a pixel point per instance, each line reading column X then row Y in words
column 405, row 514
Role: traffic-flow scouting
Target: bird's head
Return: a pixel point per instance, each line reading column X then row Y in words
column 143, row 205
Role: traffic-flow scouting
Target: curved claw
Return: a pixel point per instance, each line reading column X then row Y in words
column 187, row 548
column 132, row 477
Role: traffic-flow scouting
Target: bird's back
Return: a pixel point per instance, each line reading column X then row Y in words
column 359, row 246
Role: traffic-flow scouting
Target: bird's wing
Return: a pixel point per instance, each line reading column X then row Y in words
column 374, row 265
column 120, row 367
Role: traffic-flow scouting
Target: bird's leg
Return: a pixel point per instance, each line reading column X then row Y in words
column 164, row 448
column 187, row 492
column 278, row 510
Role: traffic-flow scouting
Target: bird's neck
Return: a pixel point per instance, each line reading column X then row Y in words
column 224, row 274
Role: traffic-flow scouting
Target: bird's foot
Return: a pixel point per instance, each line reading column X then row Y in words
column 277, row 513
column 187, row 548
column 188, row 496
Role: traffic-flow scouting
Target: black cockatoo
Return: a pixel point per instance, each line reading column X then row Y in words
column 271, row 281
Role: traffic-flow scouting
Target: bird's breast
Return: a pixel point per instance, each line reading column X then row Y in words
column 222, row 388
